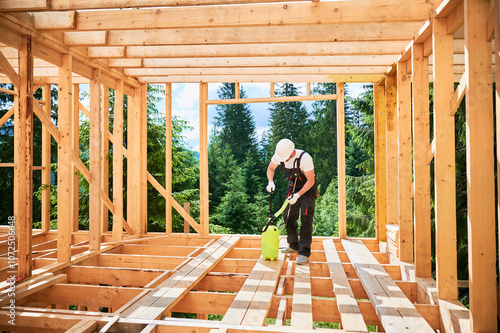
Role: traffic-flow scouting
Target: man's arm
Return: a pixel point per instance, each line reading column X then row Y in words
column 270, row 171
column 311, row 179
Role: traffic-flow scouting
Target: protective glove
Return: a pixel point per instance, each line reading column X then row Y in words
column 293, row 198
column 270, row 187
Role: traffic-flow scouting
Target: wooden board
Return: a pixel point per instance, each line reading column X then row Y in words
column 341, row 161
column 380, row 156
column 302, row 312
column 351, row 318
column 396, row 312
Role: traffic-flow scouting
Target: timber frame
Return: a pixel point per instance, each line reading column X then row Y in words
column 129, row 279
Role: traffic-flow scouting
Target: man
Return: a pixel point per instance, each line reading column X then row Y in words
column 302, row 192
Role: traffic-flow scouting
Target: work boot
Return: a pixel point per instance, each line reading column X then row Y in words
column 289, row 250
column 302, row 260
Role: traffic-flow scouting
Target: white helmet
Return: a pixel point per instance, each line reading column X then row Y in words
column 284, row 149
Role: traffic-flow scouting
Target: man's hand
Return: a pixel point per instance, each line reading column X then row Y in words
column 293, row 198
column 270, row 187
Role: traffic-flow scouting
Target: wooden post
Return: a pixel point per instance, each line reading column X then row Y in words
column 187, row 208
column 341, row 160
column 391, row 149
column 237, row 90
column 168, row 157
column 24, row 184
column 64, row 162
column 444, row 163
column 405, row 203
column 380, row 166
column 46, row 138
column 95, row 223
column 203, row 158
column 480, row 168
column 75, row 144
column 421, row 142
column 118, row 163
column 143, row 130
column 497, row 100
column 104, row 156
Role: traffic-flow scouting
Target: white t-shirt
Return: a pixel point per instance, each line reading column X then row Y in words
column 306, row 162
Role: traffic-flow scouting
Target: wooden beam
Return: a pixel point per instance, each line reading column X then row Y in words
column 321, row 13
column 480, row 169
column 118, row 162
column 55, row 20
column 455, row 19
column 6, row 67
column 421, row 138
column 444, row 162
column 272, row 99
column 133, row 162
column 458, row 95
column 7, row 116
column 75, row 144
column 239, row 35
column 341, row 160
column 143, row 175
column 46, row 161
column 104, row 125
column 25, row 5
column 95, row 224
column 24, row 178
column 391, row 148
column 64, row 159
column 496, row 10
column 368, row 48
column 204, row 195
column 380, row 156
column 302, row 314
column 405, row 214
column 168, row 158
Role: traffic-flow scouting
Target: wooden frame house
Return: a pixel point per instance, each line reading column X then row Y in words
column 62, row 280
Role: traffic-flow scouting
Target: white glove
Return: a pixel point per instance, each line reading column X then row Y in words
column 293, row 198
column 270, row 187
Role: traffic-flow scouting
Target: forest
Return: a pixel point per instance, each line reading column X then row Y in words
column 239, row 202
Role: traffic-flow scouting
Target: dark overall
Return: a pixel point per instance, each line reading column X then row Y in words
column 305, row 204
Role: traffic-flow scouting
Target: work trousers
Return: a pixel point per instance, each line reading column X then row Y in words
column 305, row 206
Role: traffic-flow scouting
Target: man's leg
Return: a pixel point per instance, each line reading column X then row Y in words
column 306, row 219
column 291, row 224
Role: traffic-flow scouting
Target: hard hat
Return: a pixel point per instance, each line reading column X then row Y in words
column 284, row 149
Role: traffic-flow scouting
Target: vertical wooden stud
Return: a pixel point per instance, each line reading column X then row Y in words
column 444, row 162
column 421, row 142
column 64, row 161
column 341, row 160
column 380, row 166
column 391, row 148
column 118, row 163
column 497, row 101
column 46, row 138
column 143, row 154
column 75, row 144
column 104, row 155
column 133, row 161
column 24, row 169
column 203, row 158
column 271, row 87
column 237, row 90
column 95, row 224
column 168, row 157
column 187, row 208
column 480, row 168
column 405, row 212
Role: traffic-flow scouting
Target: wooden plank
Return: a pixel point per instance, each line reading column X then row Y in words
column 104, row 125
column 367, row 11
column 351, row 318
column 396, row 312
column 143, row 173
column 272, row 99
column 156, row 303
column 46, row 93
column 444, row 162
column 480, row 168
column 86, row 38
column 391, row 148
column 32, row 288
column 75, row 144
column 9, row 71
column 341, row 160
column 458, row 95
column 95, row 216
column 55, row 20
column 302, row 315
column 6, row 116
column 64, row 203
column 168, row 159
column 25, row 5
column 405, row 214
column 24, row 179
column 421, row 138
column 496, row 10
column 380, row 164
column 118, row 162
column 133, row 161
column 252, row 50
column 106, row 52
column 204, row 195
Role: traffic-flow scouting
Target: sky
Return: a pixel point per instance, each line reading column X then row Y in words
column 185, row 104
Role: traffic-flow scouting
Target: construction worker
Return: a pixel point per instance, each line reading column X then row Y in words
column 302, row 192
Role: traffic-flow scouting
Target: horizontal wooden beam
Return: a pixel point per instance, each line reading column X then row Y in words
column 261, row 78
column 55, row 20
column 27, row 5
column 273, row 99
column 303, row 13
column 263, row 34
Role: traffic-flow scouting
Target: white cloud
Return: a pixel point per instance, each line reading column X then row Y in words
column 188, row 98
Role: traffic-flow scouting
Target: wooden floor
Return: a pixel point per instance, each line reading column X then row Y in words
column 142, row 285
